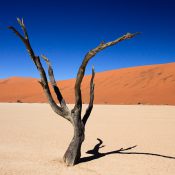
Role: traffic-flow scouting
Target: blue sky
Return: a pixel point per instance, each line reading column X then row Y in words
column 66, row 30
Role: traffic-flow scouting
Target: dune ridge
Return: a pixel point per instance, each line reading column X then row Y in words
column 153, row 84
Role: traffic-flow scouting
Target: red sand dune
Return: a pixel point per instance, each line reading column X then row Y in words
column 153, row 84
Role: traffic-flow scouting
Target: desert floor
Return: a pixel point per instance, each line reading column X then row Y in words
column 33, row 140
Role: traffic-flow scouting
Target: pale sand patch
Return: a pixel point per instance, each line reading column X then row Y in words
column 33, row 140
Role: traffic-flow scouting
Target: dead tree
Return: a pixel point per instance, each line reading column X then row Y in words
column 73, row 153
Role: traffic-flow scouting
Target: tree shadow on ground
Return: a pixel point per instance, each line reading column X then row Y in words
column 95, row 154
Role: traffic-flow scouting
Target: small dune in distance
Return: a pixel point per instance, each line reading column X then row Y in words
column 153, row 84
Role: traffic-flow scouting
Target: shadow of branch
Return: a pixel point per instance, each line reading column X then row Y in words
column 95, row 154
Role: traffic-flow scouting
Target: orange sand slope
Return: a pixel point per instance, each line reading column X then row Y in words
column 153, row 84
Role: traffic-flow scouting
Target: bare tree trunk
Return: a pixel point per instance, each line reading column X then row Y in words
column 73, row 153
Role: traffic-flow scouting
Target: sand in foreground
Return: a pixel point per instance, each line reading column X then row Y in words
column 33, row 140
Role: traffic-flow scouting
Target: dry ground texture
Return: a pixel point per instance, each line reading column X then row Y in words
column 33, row 140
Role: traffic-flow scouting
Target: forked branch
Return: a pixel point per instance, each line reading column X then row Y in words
column 25, row 39
column 88, row 56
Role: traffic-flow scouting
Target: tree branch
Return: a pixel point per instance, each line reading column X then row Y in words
column 89, row 108
column 54, row 84
column 88, row 56
column 44, row 83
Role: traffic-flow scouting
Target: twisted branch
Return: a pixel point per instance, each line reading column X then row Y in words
column 88, row 56
column 44, row 83
column 90, row 106
column 54, row 84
